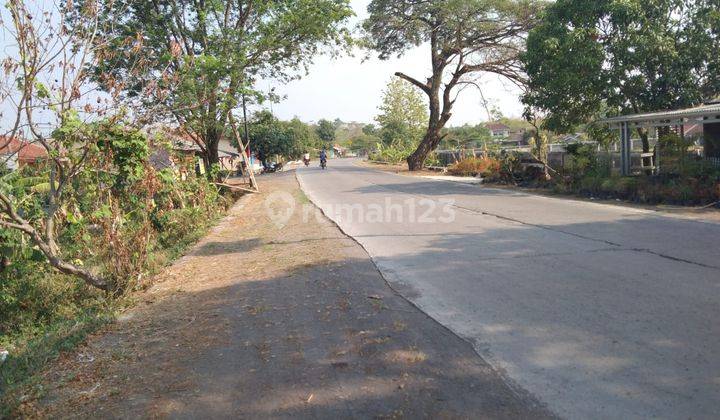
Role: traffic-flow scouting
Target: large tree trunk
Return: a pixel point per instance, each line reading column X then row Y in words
column 437, row 119
column 212, row 156
column 440, row 108
column 416, row 161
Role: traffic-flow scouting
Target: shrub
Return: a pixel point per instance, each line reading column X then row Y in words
column 398, row 153
column 486, row 167
column 391, row 154
column 510, row 167
column 121, row 219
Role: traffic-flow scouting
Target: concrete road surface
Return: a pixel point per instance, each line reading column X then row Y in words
column 599, row 311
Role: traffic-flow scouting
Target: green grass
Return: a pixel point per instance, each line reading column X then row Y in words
column 301, row 197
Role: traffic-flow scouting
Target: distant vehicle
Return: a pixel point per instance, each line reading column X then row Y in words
column 323, row 163
column 273, row 167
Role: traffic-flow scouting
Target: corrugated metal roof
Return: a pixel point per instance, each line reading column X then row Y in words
column 710, row 109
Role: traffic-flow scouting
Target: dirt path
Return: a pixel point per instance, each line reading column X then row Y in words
column 259, row 322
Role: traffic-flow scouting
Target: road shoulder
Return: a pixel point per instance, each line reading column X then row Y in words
column 263, row 320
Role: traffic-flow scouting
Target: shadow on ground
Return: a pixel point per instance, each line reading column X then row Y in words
column 223, row 248
column 329, row 341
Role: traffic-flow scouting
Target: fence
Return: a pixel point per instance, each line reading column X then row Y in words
column 558, row 156
column 713, row 160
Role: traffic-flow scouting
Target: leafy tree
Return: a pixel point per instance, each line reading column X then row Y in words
column 466, row 136
column 44, row 101
column 403, row 116
column 200, row 57
column 369, row 130
column 363, row 142
column 466, row 38
column 591, row 57
column 326, row 132
column 270, row 136
column 305, row 138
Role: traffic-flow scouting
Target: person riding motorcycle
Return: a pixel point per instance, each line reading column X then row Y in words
column 306, row 159
column 323, row 158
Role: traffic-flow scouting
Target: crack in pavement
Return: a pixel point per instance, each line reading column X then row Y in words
column 552, row 229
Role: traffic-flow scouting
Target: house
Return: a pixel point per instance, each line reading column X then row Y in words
column 184, row 145
column 498, row 130
column 228, row 160
column 16, row 153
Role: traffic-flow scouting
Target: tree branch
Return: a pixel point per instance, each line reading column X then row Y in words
column 423, row 86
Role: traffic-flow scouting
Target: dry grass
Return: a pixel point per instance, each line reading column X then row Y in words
column 484, row 166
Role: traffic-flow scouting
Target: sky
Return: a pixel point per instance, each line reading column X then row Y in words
column 350, row 89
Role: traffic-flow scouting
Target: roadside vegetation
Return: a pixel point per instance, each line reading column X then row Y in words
column 577, row 62
column 102, row 92
column 684, row 180
column 121, row 219
column 290, row 139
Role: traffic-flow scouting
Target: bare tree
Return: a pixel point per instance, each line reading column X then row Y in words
column 45, row 86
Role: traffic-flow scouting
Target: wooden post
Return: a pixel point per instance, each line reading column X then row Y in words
column 241, row 146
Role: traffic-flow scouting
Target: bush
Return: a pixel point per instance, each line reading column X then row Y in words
column 583, row 160
column 121, row 219
column 486, row 167
column 391, row 154
column 398, row 153
column 510, row 167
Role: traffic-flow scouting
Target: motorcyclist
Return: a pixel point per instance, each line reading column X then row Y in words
column 323, row 157
column 306, row 159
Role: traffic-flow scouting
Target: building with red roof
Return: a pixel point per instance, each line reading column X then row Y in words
column 16, row 153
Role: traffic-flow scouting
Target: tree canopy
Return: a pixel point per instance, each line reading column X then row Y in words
column 403, row 114
column 466, row 136
column 466, row 38
column 270, row 136
column 595, row 56
column 200, row 57
column 326, row 132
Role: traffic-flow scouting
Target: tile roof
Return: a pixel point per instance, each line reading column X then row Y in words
column 26, row 151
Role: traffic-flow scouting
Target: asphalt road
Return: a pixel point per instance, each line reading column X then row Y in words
column 599, row 311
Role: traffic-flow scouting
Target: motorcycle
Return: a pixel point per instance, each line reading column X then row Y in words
column 273, row 167
column 306, row 162
column 323, row 163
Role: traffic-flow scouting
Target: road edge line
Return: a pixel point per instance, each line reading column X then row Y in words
column 521, row 393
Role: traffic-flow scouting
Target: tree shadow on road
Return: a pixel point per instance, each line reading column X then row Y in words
column 224, row 248
column 322, row 341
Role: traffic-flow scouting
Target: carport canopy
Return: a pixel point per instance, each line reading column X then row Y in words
column 708, row 113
